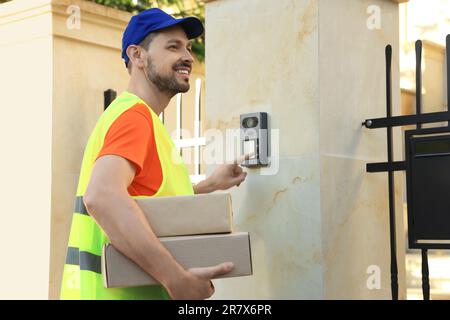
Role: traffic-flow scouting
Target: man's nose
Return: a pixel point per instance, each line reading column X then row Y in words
column 188, row 57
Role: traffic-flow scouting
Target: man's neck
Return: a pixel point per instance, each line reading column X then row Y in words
column 152, row 96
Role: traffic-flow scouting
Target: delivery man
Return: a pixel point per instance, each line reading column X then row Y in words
column 131, row 155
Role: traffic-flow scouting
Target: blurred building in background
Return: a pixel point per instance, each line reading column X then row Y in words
column 428, row 21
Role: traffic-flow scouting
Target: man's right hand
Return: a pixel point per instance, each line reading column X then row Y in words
column 195, row 283
column 110, row 205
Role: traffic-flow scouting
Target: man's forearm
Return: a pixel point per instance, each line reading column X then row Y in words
column 204, row 186
column 129, row 231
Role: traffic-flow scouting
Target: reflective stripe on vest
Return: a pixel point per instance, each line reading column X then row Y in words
column 80, row 207
column 82, row 278
column 86, row 260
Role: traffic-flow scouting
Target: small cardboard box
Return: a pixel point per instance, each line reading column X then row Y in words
column 190, row 251
column 188, row 215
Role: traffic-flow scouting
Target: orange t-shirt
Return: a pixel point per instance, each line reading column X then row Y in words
column 132, row 137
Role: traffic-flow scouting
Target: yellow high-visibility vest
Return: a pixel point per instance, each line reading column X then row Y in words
column 82, row 278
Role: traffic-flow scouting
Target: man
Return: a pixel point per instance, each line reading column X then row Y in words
column 130, row 153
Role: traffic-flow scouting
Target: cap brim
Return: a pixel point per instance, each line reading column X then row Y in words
column 192, row 26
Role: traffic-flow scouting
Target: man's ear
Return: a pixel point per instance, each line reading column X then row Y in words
column 136, row 56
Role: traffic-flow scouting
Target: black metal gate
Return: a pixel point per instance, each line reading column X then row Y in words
column 427, row 165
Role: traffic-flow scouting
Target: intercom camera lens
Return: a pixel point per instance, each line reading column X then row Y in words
column 250, row 122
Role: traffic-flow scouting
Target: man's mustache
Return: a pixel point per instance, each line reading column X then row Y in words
column 183, row 64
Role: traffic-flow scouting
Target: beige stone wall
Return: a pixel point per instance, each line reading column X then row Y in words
column 86, row 62
column 354, row 203
column 26, row 132
column 321, row 221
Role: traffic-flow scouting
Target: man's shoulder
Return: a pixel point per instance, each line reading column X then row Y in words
column 138, row 109
column 127, row 104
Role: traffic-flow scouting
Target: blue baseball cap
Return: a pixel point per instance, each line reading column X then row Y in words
column 155, row 19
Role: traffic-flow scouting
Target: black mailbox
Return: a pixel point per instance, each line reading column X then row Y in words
column 428, row 187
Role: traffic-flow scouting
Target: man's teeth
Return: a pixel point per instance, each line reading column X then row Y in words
column 183, row 71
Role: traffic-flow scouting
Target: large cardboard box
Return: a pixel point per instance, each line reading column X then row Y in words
column 188, row 215
column 190, row 251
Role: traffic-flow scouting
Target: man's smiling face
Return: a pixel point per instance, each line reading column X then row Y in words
column 170, row 60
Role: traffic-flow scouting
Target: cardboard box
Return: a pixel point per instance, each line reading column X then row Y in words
column 189, row 215
column 190, row 251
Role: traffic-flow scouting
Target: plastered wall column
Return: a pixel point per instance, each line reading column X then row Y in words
column 319, row 225
column 26, row 139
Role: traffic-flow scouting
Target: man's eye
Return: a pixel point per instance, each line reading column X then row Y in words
column 173, row 47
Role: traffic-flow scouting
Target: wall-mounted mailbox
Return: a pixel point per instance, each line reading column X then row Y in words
column 428, row 187
column 255, row 138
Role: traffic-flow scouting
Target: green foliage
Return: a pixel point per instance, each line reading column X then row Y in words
column 198, row 45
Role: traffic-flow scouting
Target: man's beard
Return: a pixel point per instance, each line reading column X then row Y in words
column 165, row 83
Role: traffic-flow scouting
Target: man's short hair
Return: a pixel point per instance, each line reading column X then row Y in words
column 144, row 44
